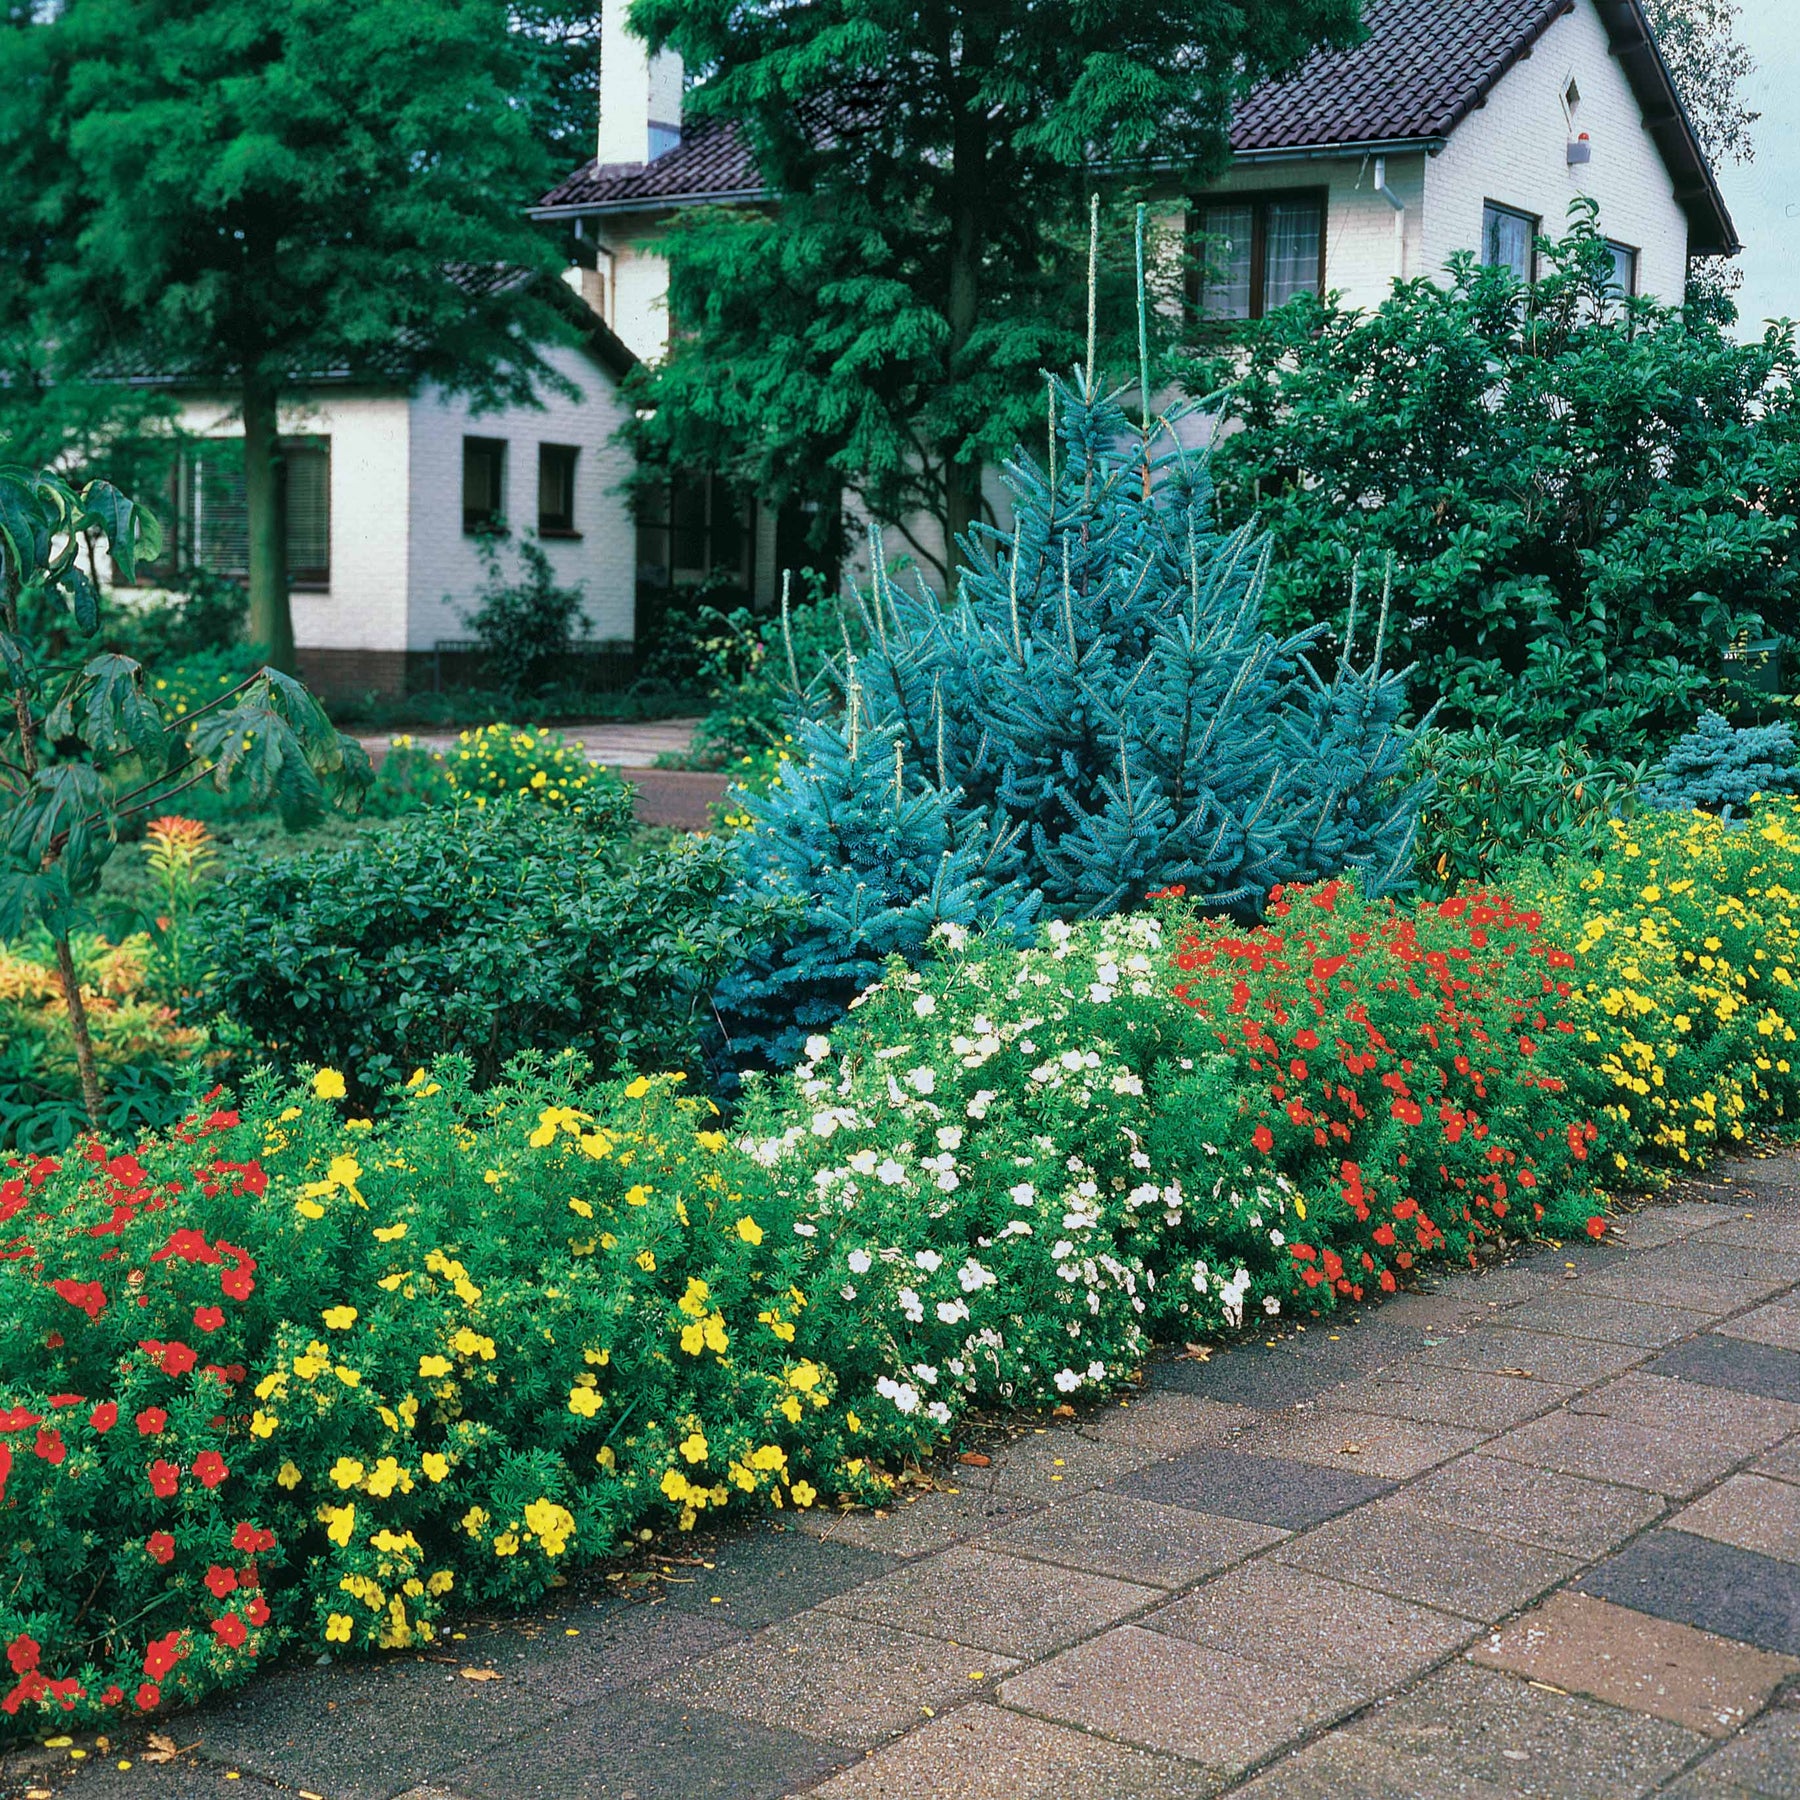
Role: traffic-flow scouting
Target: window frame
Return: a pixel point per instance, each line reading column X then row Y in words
column 658, row 511
column 1259, row 200
column 1635, row 255
column 1534, row 220
column 317, row 578
column 495, row 519
column 565, row 525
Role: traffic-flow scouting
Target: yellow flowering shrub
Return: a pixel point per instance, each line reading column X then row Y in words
column 1685, row 935
column 489, row 763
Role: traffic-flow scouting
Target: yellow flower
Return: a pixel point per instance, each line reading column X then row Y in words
column 346, row 1471
column 693, row 1447
column 473, row 1520
column 551, row 1525
column 582, row 1208
column 386, row 1476
column 471, row 1343
column 337, row 1628
column 646, row 1260
column 340, row 1521
column 262, row 1425
column 637, row 1196
column 441, row 1583
column 607, row 1458
column 432, row 1366
column 693, row 1302
column 749, row 1231
column 636, row 1090
column 436, row 1467
column 328, row 1084
column 289, row 1476
column 791, row 1408
column 507, row 1544
column 388, row 1234
column 804, row 1493
column 340, row 1318
column 585, row 1402
column 805, row 1377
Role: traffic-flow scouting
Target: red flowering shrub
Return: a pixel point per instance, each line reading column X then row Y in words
column 1403, row 1067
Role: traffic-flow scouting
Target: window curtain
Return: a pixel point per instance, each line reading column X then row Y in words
column 1225, row 283
column 1291, row 261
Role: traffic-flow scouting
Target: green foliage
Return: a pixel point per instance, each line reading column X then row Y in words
column 1099, row 714
column 1719, row 768
column 495, row 762
column 120, row 754
column 148, row 1059
column 479, row 930
column 1585, row 498
column 1496, row 801
column 525, row 627
column 884, row 330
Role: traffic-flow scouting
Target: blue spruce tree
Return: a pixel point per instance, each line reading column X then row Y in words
column 1099, row 713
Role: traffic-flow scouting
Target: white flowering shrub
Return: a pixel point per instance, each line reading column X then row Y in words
column 1002, row 1216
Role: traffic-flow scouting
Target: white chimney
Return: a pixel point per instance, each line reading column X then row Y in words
column 640, row 94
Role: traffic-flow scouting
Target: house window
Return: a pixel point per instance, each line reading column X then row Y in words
column 306, row 470
column 693, row 530
column 484, row 484
column 1509, row 240
column 1258, row 252
column 556, row 490
column 1625, row 265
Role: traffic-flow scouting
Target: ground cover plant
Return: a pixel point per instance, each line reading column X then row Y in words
column 489, row 762
column 484, row 929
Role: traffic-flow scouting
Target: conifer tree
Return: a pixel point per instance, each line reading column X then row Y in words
column 1098, row 714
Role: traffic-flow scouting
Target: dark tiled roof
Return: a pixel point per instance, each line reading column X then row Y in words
column 1420, row 69
column 710, row 163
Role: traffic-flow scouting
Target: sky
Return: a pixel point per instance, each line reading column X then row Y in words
column 1764, row 196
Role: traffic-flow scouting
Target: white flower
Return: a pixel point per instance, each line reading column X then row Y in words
column 1058, row 932
column 802, row 1230
column 977, row 1108
column 953, row 935
column 1096, row 1371
column 860, row 1262
column 817, row 1048
column 952, row 1312
column 949, row 1137
column 1018, row 1228
column 903, row 1394
column 938, row 1413
column 1070, row 1060
column 912, row 1306
column 1271, row 1305
column 928, row 1260
column 1024, row 1194
column 1146, row 1195
column 863, row 1162
column 1099, row 992
column 925, row 1373
column 1277, row 1239
column 1062, row 1250
column 848, row 1291
column 1067, row 1381
column 922, row 1080
column 1127, row 1083
column 824, row 1124
column 973, row 1277
column 890, row 1173
column 924, row 1006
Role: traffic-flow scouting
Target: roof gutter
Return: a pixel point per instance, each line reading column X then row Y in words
column 1326, row 152
column 589, row 209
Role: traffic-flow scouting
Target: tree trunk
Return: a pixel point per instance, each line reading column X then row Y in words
column 271, row 621
column 78, row 1026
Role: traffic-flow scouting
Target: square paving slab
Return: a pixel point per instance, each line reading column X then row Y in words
column 1255, row 1375
column 990, row 1753
column 1163, row 1694
column 1762, row 1760
column 1401, row 1552
column 1631, row 1659
column 1737, row 1363
column 1751, row 1511
column 626, row 1746
column 1659, row 1458
column 1367, row 1442
column 1005, row 1603
column 1474, row 1400
column 1317, row 1622
column 1536, row 1506
column 1268, row 1490
column 916, row 1527
column 1462, row 1722
column 1167, row 1423
column 844, row 1681
column 767, row 1575
column 1572, row 1313
column 1532, row 1358
column 1778, row 1323
column 1716, row 1587
column 1135, row 1540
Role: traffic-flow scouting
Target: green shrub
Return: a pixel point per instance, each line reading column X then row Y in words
column 528, row 626
column 478, row 929
column 1496, row 800
column 491, row 762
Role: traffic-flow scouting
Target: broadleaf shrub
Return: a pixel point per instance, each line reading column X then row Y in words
column 481, row 930
column 490, row 762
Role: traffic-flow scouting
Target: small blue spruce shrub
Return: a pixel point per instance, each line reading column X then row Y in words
column 1716, row 768
column 1098, row 714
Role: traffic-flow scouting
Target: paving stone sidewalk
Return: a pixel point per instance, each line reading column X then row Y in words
column 1535, row 1533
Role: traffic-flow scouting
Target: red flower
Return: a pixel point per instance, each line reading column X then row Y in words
column 165, row 1478
column 230, row 1630
column 113, row 1695
column 1596, row 1227
column 5, row 1468
column 163, row 1654
column 177, row 1359
column 1263, row 1138
column 221, row 1581
column 252, row 1538
column 50, row 1447
column 18, row 1418
column 208, row 1318
column 257, row 1612
column 86, row 1296
column 209, row 1468
column 104, row 1416
column 23, row 1653
column 149, row 1697
column 160, row 1546
column 151, row 1421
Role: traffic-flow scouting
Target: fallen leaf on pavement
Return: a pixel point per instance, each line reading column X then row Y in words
column 1195, row 1353
column 975, row 1459
column 162, row 1749
column 1523, row 1374
column 481, row 1674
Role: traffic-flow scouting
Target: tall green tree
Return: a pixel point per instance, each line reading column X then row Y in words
column 257, row 194
column 885, row 328
column 1699, row 42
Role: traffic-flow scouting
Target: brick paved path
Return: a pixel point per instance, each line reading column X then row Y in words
column 1536, row 1533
